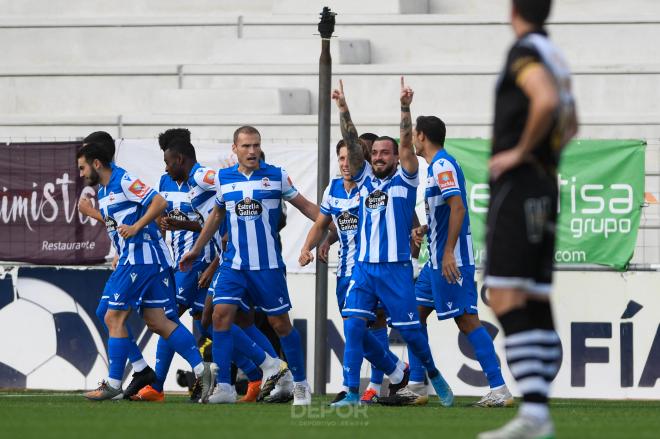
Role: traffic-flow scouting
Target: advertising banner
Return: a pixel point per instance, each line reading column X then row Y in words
column 39, row 219
column 601, row 192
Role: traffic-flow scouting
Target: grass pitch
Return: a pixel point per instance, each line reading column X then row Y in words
column 57, row 415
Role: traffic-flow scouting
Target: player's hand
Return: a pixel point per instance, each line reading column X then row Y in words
column 406, row 94
column 504, row 161
column 162, row 223
column 115, row 261
column 449, row 268
column 172, row 224
column 187, row 260
column 305, row 258
column 323, row 250
column 339, row 97
column 126, row 231
column 418, row 235
column 206, row 277
column 85, row 206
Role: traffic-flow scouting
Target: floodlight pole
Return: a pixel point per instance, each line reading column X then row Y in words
column 326, row 28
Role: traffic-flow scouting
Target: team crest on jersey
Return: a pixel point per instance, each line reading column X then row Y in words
column 376, row 201
column 348, row 223
column 178, row 215
column 446, row 180
column 138, row 188
column 110, row 224
column 111, row 196
column 209, row 177
column 248, row 209
column 265, row 182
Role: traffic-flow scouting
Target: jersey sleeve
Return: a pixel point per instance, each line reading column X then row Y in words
column 411, row 179
column 522, row 59
column 365, row 172
column 205, row 179
column 325, row 202
column 289, row 192
column 446, row 177
column 219, row 199
column 136, row 191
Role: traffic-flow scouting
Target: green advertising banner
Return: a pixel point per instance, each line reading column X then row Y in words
column 601, row 192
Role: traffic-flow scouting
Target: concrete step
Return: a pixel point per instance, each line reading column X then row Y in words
column 104, row 8
column 428, row 41
column 254, row 90
column 284, row 127
column 232, row 101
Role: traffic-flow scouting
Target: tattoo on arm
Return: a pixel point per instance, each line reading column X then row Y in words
column 350, row 135
column 406, row 127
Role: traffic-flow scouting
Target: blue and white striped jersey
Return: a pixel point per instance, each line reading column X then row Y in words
column 344, row 208
column 445, row 179
column 386, row 215
column 180, row 207
column 123, row 201
column 253, row 204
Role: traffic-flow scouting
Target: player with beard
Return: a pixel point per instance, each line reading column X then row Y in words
column 340, row 205
column 143, row 278
column 383, row 271
column 143, row 375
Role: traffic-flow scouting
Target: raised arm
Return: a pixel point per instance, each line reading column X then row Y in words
column 407, row 155
column 348, row 131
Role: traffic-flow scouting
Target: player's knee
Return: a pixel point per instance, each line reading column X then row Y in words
column 467, row 323
column 222, row 318
column 281, row 324
column 113, row 322
column 244, row 319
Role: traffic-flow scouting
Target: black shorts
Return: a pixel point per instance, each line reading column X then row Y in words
column 520, row 236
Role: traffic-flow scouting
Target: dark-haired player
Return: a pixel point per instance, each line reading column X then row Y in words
column 142, row 374
column 534, row 119
column 143, row 280
column 383, row 270
column 450, row 269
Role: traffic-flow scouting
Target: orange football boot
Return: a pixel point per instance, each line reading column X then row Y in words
column 252, row 392
column 148, row 393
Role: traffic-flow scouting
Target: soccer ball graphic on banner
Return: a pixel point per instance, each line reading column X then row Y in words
column 49, row 341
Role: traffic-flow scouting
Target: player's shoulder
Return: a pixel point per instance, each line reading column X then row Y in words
column 204, row 175
column 526, row 50
column 228, row 173
column 270, row 170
